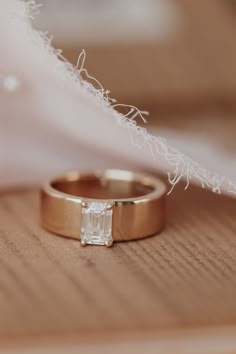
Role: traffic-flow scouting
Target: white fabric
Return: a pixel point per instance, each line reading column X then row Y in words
column 54, row 121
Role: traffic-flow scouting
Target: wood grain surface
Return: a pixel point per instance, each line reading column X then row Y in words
column 181, row 279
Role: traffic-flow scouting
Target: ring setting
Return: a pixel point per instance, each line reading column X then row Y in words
column 96, row 223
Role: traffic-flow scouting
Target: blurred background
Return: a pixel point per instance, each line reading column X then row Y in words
column 174, row 58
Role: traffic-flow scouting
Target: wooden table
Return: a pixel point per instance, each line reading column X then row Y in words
column 180, row 285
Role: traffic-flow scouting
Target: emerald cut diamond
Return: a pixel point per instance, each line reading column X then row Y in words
column 96, row 223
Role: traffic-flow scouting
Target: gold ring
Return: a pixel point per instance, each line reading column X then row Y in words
column 103, row 206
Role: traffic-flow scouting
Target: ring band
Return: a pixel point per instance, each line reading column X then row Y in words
column 103, row 206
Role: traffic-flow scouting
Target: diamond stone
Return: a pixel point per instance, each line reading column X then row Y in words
column 96, row 223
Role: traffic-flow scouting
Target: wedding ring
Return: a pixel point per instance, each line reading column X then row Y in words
column 103, row 206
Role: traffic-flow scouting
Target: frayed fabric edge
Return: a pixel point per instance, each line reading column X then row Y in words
column 183, row 167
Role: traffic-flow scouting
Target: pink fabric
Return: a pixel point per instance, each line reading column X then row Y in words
column 55, row 121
